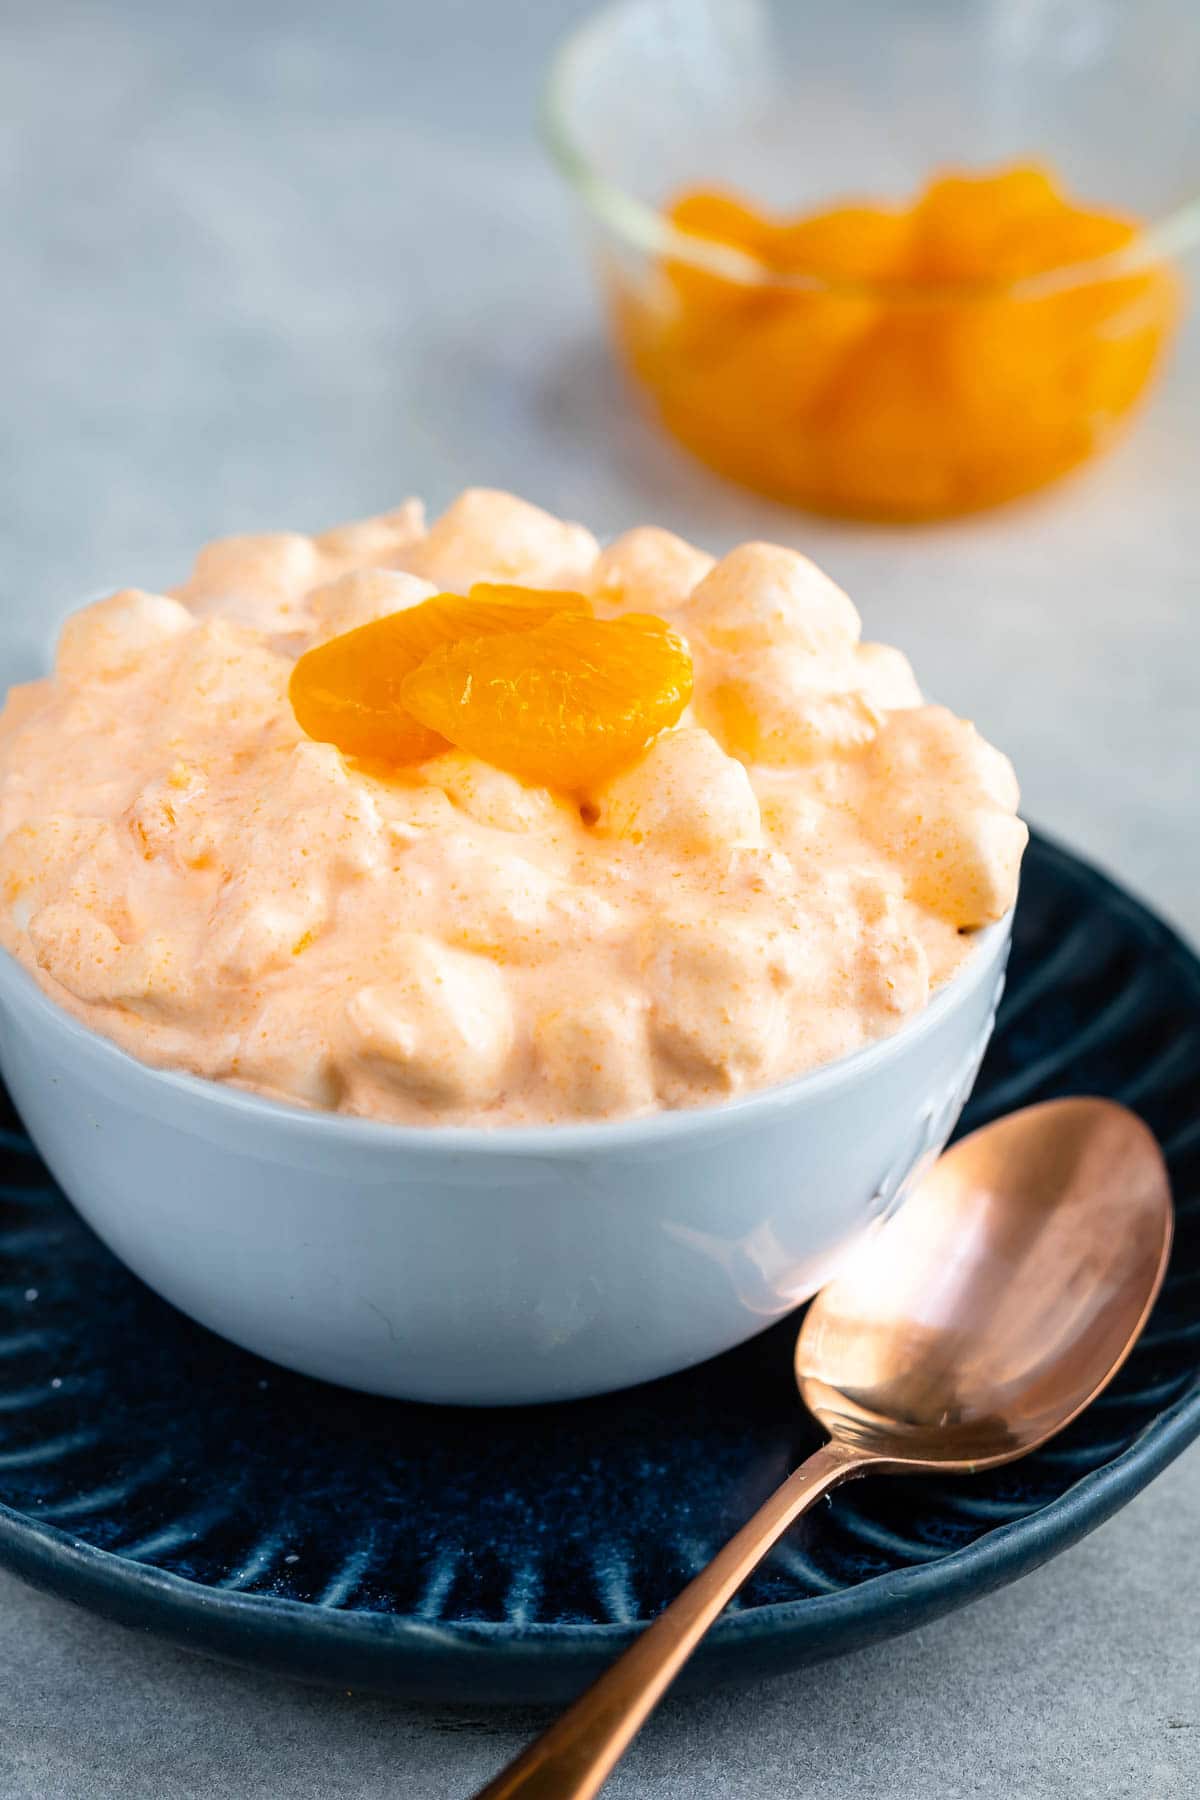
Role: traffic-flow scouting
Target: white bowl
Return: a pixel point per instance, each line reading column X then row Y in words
column 490, row 1267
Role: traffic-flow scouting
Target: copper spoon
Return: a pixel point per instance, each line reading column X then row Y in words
column 981, row 1319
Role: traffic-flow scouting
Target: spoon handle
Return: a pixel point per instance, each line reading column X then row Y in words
column 576, row 1755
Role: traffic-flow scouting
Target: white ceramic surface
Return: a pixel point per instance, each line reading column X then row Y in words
column 488, row 1267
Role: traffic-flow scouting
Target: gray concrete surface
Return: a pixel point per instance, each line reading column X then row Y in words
column 280, row 263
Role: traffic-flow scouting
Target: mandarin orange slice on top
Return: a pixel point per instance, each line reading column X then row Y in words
column 565, row 704
column 347, row 691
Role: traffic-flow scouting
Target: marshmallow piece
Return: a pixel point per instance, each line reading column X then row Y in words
column 313, row 812
column 169, row 818
column 931, row 742
column 100, row 879
column 718, row 992
column 492, row 900
column 252, row 933
column 24, row 701
column 79, row 950
column 311, row 831
column 766, row 708
column 37, row 855
column 648, row 570
column 258, row 580
column 108, row 640
column 361, row 597
column 493, row 797
column 158, row 976
column 884, row 676
column 292, row 1047
column 684, row 793
column 894, row 967
column 487, row 535
column 153, row 977
column 594, row 1054
column 794, row 818
column 764, row 594
column 374, row 542
column 899, row 971
column 940, row 801
column 225, row 672
column 441, row 1029
column 228, row 669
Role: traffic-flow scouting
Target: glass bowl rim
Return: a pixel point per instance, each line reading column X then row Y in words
column 644, row 228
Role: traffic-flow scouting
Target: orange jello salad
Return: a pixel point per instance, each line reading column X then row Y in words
column 481, row 823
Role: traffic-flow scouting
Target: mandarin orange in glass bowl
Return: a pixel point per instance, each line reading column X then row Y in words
column 891, row 262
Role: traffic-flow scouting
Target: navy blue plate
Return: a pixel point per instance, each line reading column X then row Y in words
column 154, row 1473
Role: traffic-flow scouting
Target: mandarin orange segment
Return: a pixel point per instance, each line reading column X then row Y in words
column 563, row 705
column 923, row 378
column 963, row 225
column 494, row 607
column 1060, row 240
column 347, row 692
column 848, row 243
column 721, row 219
column 888, row 419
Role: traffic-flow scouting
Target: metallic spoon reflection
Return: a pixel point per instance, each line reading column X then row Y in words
column 981, row 1319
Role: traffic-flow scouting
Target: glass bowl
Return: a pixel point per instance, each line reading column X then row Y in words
column 883, row 398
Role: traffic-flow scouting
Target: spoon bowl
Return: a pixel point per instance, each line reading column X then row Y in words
column 1000, row 1299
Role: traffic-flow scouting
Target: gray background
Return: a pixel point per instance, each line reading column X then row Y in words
column 280, row 264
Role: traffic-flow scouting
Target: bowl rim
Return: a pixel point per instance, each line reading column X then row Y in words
column 648, row 230
column 568, row 1138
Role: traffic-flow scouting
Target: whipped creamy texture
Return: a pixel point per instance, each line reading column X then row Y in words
column 781, row 879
